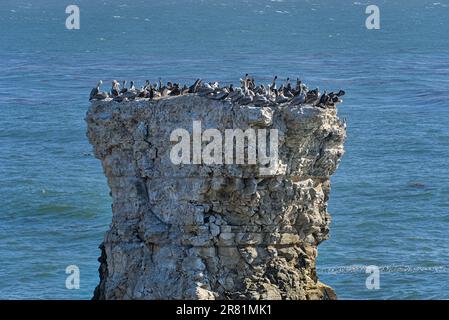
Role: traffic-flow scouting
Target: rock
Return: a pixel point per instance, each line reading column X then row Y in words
column 197, row 231
column 256, row 116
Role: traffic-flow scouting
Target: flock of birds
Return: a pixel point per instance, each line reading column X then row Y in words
column 247, row 93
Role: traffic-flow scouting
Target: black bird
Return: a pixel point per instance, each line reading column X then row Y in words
column 194, row 87
column 273, row 84
column 124, row 88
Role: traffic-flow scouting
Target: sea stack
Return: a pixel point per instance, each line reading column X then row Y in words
column 213, row 231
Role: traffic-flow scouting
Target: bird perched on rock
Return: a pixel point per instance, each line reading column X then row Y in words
column 280, row 98
column 132, row 87
column 289, row 85
column 273, row 83
column 147, row 85
column 220, row 94
column 205, row 89
column 334, row 98
column 300, row 98
column 95, row 90
column 194, row 87
column 260, row 100
column 247, row 93
column 247, row 99
column 123, row 90
column 236, row 95
column 96, row 94
column 313, row 96
column 115, row 89
column 324, row 100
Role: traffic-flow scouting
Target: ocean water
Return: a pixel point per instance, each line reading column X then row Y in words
column 390, row 195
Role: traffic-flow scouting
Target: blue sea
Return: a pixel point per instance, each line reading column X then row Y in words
column 390, row 195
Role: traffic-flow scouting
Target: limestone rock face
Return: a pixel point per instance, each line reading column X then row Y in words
column 197, row 231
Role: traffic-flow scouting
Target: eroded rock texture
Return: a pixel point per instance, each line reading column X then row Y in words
column 213, row 232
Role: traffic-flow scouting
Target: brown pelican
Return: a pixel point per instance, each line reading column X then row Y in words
column 115, row 89
column 299, row 98
column 273, row 83
column 160, row 86
column 101, row 96
column 247, row 99
column 132, row 87
column 205, row 89
column 313, row 96
column 220, row 94
column 260, row 100
column 175, row 91
column 280, row 98
column 289, row 85
column 236, row 95
column 95, row 90
column 194, row 87
column 123, row 88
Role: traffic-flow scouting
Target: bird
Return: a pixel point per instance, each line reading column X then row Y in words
column 130, row 95
column 101, row 96
column 165, row 92
column 119, row 98
column 219, row 95
column 205, row 89
column 248, row 92
column 194, row 87
column 159, row 88
column 175, row 90
column 132, row 92
column 299, row 99
column 289, row 85
column 273, row 83
column 237, row 95
column 280, row 98
column 324, row 100
column 184, row 90
column 123, row 90
column 313, row 96
column 147, row 84
column 115, row 89
column 247, row 99
column 95, row 90
column 260, row 100
column 132, row 87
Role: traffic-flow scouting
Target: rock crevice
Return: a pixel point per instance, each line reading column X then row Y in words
column 196, row 231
